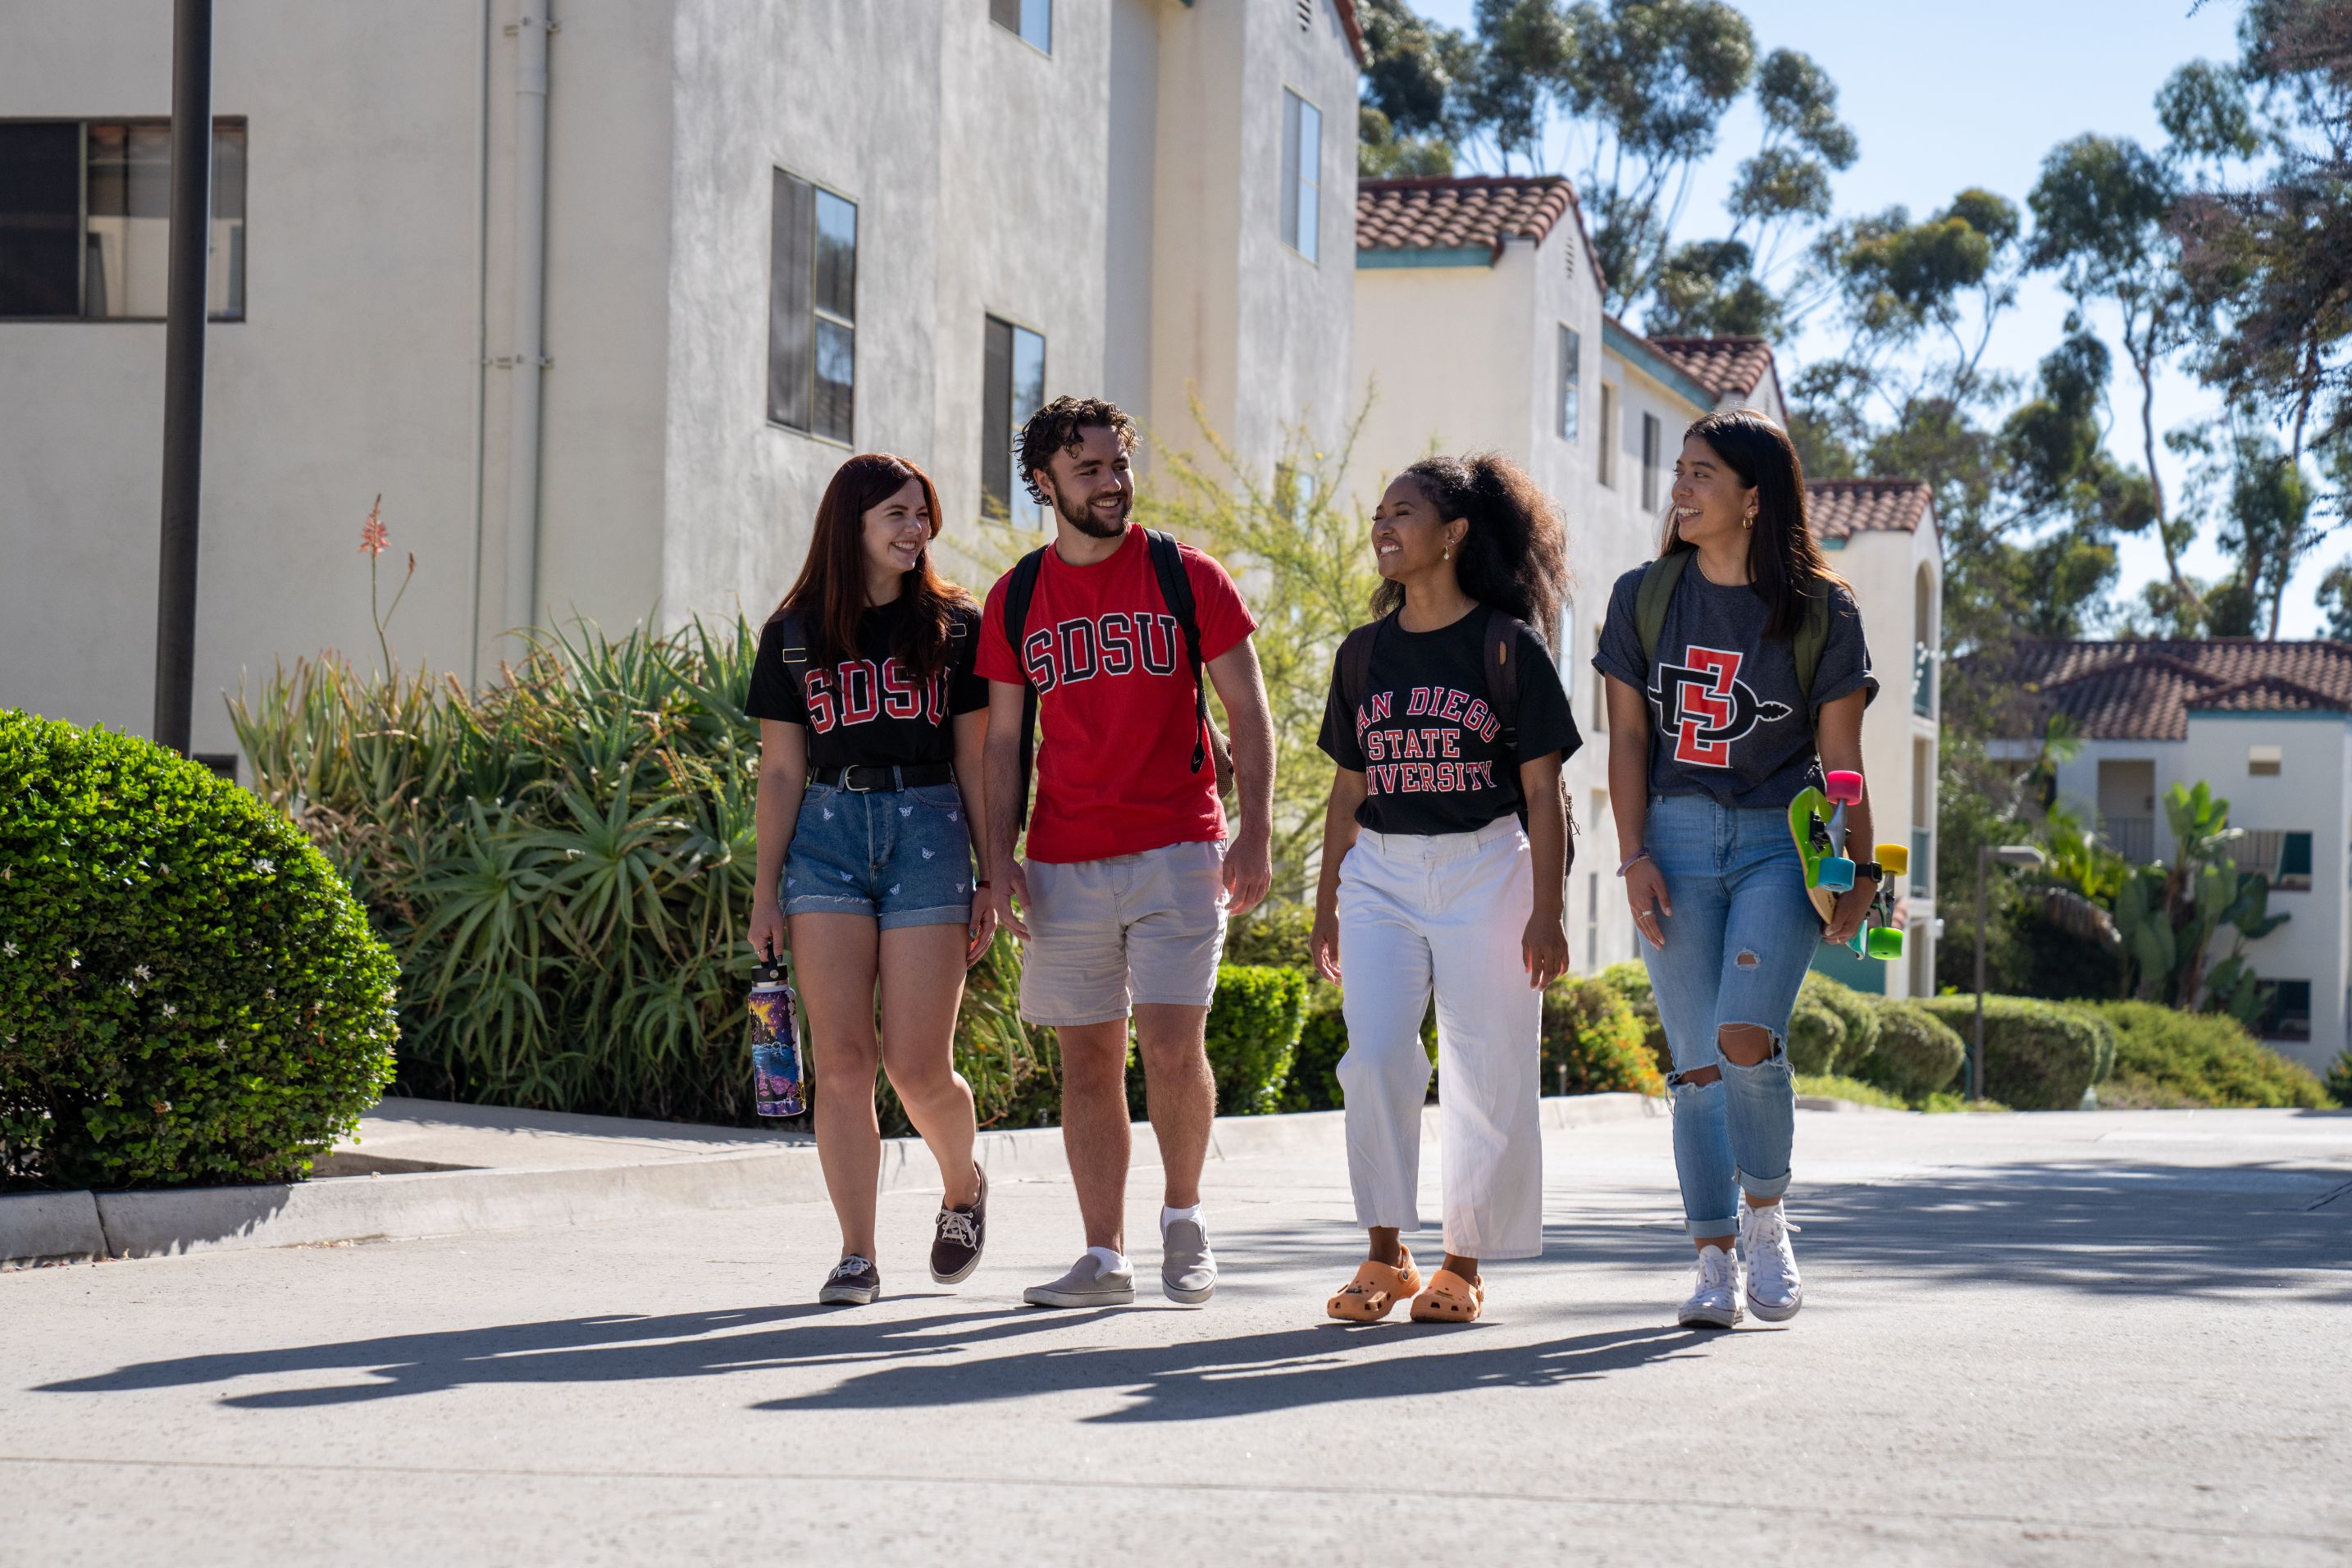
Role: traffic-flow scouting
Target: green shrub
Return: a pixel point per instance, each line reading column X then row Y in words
column 2339, row 1079
column 1816, row 1036
column 1593, row 1042
column 1276, row 932
column 1254, row 1027
column 1314, row 1082
column 1915, row 1054
column 1829, row 1086
column 2165, row 1057
column 2039, row 1055
column 1631, row 980
column 1857, row 1015
column 562, row 863
column 188, row 993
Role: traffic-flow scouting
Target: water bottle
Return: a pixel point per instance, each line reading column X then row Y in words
column 777, row 1079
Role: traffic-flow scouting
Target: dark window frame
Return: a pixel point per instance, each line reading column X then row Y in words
column 1568, row 417
column 1001, row 481
column 236, row 250
column 1654, row 446
column 805, row 314
column 1302, row 231
column 1015, row 16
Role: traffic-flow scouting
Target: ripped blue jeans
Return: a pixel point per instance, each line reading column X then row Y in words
column 1737, row 945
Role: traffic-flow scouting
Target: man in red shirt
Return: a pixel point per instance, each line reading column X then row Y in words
column 1129, row 876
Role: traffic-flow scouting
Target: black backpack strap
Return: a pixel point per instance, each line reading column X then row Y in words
column 1503, row 676
column 1355, row 665
column 794, row 636
column 1020, row 587
column 1176, row 593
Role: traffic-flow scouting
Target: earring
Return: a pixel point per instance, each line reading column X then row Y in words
column 1747, row 521
column 1446, row 554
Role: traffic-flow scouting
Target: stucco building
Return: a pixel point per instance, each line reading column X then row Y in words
column 1479, row 325
column 2268, row 725
column 598, row 293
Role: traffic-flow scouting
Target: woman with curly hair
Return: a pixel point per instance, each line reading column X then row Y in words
column 1445, row 849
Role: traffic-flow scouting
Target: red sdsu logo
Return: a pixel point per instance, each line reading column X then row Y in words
column 858, row 692
column 1705, row 707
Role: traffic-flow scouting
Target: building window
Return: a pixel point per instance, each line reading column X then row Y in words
column 2264, row 761
column 1302, row 164
column 2286, row 1010
column 1033, row 19
column 812, row 309
column 1571, row 373
column 2293, row 874
column 1652, row 437
column 1012, row 365
column 85, row 218
column 1608, row 470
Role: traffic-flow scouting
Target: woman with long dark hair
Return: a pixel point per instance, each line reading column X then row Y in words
column 871, row 727
column 1737, row 672
column 1444, row 854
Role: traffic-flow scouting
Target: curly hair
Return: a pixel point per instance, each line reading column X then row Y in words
column 1514, row 556
column 1060, row 426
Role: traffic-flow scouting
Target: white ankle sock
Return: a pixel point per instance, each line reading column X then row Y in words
column 1169, row 1217
column 1113, row 1262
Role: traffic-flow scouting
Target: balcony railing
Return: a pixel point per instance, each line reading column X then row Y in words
column 2133, row 837
column 1923, row 680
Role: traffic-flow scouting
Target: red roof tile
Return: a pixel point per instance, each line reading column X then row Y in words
column 1841, row 508
column 1355, row 29
column 1454, row 211
column 2144, row 690
column 1720, row 364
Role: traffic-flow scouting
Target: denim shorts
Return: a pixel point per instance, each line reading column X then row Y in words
column 901, row 856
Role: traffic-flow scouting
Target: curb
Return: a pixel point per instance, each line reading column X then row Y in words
column 62, row 1227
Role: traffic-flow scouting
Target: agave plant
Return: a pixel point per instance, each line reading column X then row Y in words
column 562, row 862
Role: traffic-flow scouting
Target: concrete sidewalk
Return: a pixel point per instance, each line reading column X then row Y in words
column 2049, row 1339
column 420, row 1168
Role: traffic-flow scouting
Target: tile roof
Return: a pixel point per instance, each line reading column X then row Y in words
column 2144, row 690
column 1720, row 364
column 1455, row 211
column 1841, row 508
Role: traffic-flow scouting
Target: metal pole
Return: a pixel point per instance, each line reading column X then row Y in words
column 1975, row 1056
column 183, row 368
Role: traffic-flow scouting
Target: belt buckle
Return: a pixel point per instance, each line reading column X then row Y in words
column 850, row 781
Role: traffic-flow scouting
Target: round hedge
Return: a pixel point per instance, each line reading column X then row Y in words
column 188, row 991
column 1914, row 1053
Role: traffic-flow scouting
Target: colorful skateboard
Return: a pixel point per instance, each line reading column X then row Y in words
column 1817, row 823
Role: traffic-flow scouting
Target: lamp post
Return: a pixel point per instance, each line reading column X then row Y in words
column 2008, row 855
column 183, row 368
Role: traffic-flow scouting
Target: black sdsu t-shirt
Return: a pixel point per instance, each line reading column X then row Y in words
column 1728, row 718
column 1431, row 752
column 867, row 711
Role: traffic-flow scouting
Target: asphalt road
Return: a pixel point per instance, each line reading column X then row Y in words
column 2120, row 1337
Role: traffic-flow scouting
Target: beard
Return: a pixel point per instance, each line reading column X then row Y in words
column 1081, row 515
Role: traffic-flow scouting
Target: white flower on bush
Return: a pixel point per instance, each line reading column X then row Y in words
column 144, row 971
column 170, row 1011
column 9, row 948
column 266, row 866
column 132, row 986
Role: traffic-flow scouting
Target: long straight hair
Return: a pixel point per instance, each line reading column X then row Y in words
column 1784, row 562
column 1514, row 556
column 830, row 595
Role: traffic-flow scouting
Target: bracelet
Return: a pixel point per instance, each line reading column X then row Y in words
column 1628, row 863
column 978, row 885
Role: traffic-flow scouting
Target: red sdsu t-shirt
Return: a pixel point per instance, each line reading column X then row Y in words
column 1115, row 715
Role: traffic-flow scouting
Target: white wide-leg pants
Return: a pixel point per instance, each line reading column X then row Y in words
column 1446, row 910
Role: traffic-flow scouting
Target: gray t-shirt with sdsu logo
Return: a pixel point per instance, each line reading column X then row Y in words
column 1727, row 717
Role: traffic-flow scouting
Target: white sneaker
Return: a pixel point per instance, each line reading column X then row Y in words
column 1774, row 1289
column 1715, row 1292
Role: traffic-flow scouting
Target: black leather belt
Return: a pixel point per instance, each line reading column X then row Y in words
column 859, row 779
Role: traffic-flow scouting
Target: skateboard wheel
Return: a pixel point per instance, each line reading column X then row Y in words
column 1894, row 859
column 1842, row 787
column 1885, row 941
column 1834, row 873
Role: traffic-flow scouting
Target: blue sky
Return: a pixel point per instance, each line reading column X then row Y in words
column 1945, row 96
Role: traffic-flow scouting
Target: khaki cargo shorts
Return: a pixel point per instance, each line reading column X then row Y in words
column 1107, row 934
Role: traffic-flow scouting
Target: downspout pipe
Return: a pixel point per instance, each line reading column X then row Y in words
column 529, row 361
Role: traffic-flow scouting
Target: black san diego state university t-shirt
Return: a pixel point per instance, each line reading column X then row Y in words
column 1431, row 752
column 868, row 711
column 1727, row 717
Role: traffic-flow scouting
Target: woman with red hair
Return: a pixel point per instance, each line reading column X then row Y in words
column 871, row 725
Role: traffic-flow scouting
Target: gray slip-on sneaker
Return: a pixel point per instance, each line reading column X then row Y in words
column 1087, row 1284
column 1187, row 1269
